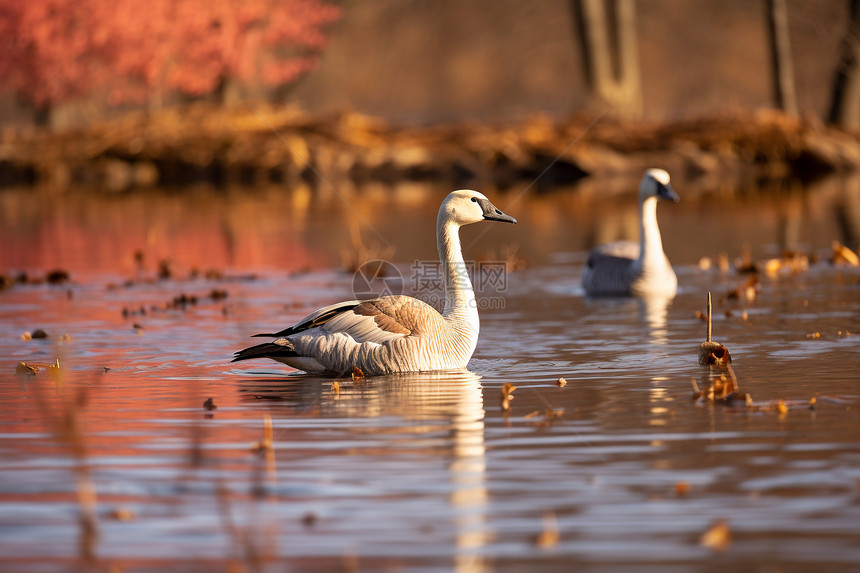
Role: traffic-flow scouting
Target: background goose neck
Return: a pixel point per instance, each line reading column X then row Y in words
column 651, row 244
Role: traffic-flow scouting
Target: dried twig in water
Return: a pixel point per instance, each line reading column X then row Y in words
column 712, row 353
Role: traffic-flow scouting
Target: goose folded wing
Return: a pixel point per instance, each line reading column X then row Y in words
column 376, row 320
column 379, row 320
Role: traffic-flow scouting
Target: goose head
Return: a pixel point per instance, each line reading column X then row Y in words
column 464, row 207
column 655, row 183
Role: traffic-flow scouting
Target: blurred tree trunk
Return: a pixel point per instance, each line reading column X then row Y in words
column 610, row 52
column 228, row 92
column 43, row 116
column 783, row 65
column 845, row 99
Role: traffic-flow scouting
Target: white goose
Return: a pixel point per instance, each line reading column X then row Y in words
column 624, row 268
column 394, row 333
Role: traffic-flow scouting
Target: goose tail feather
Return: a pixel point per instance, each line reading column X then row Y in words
column 266, row 350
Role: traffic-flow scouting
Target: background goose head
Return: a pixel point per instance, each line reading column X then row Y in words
column 465, row 207
column 655, row 183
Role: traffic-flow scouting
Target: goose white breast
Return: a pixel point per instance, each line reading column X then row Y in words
column 394, row 334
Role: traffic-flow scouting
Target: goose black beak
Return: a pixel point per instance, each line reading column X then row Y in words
column 666, row 192
column 493, row 213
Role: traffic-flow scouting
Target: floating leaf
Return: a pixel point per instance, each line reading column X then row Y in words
column 813, row 335
column 718, row 537
column 209, row 404
column 561, row 382
column 507, row 396
column 357, row 374
column 682, row 488
column 549, row 536
column 122, row 514
column 57, row 276
column 335, row 388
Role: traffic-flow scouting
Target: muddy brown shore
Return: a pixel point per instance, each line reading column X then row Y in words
column 204, row 144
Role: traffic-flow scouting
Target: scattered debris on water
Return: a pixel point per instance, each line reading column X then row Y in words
column 549, row 536
column 26, row 369
column 682, row 488
column 122, row 514
column 57, row 276
column 549, row 416
column 507, row 396
column 32, row 368
column 718, row 537
column 36, row 334
column 842, row 255
column 722, row 389
column 309, row 519
column 747, row 291
column 712, row 353
column 745, row 265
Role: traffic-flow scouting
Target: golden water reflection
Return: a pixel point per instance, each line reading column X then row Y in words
column 427, row 405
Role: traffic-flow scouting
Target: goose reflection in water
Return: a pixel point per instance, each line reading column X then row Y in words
column 437, row 415
column 654, row 311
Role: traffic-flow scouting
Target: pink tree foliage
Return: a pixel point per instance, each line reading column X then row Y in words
column 50, row 49
column 54, row 50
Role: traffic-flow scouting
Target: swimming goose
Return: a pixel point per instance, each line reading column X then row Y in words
column 624, row 268
column 394, row 334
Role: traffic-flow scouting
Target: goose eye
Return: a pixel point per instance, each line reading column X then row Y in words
column 474, row 199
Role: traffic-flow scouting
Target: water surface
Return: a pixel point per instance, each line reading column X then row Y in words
column 422, row 472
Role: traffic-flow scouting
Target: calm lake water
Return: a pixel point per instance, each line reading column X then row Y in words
column 113, row 462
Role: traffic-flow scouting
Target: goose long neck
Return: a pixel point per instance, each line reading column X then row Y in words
column 651, row 244
column 459, row 296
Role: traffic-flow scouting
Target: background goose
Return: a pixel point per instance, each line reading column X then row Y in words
column 625, row 268
column 394, row 333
